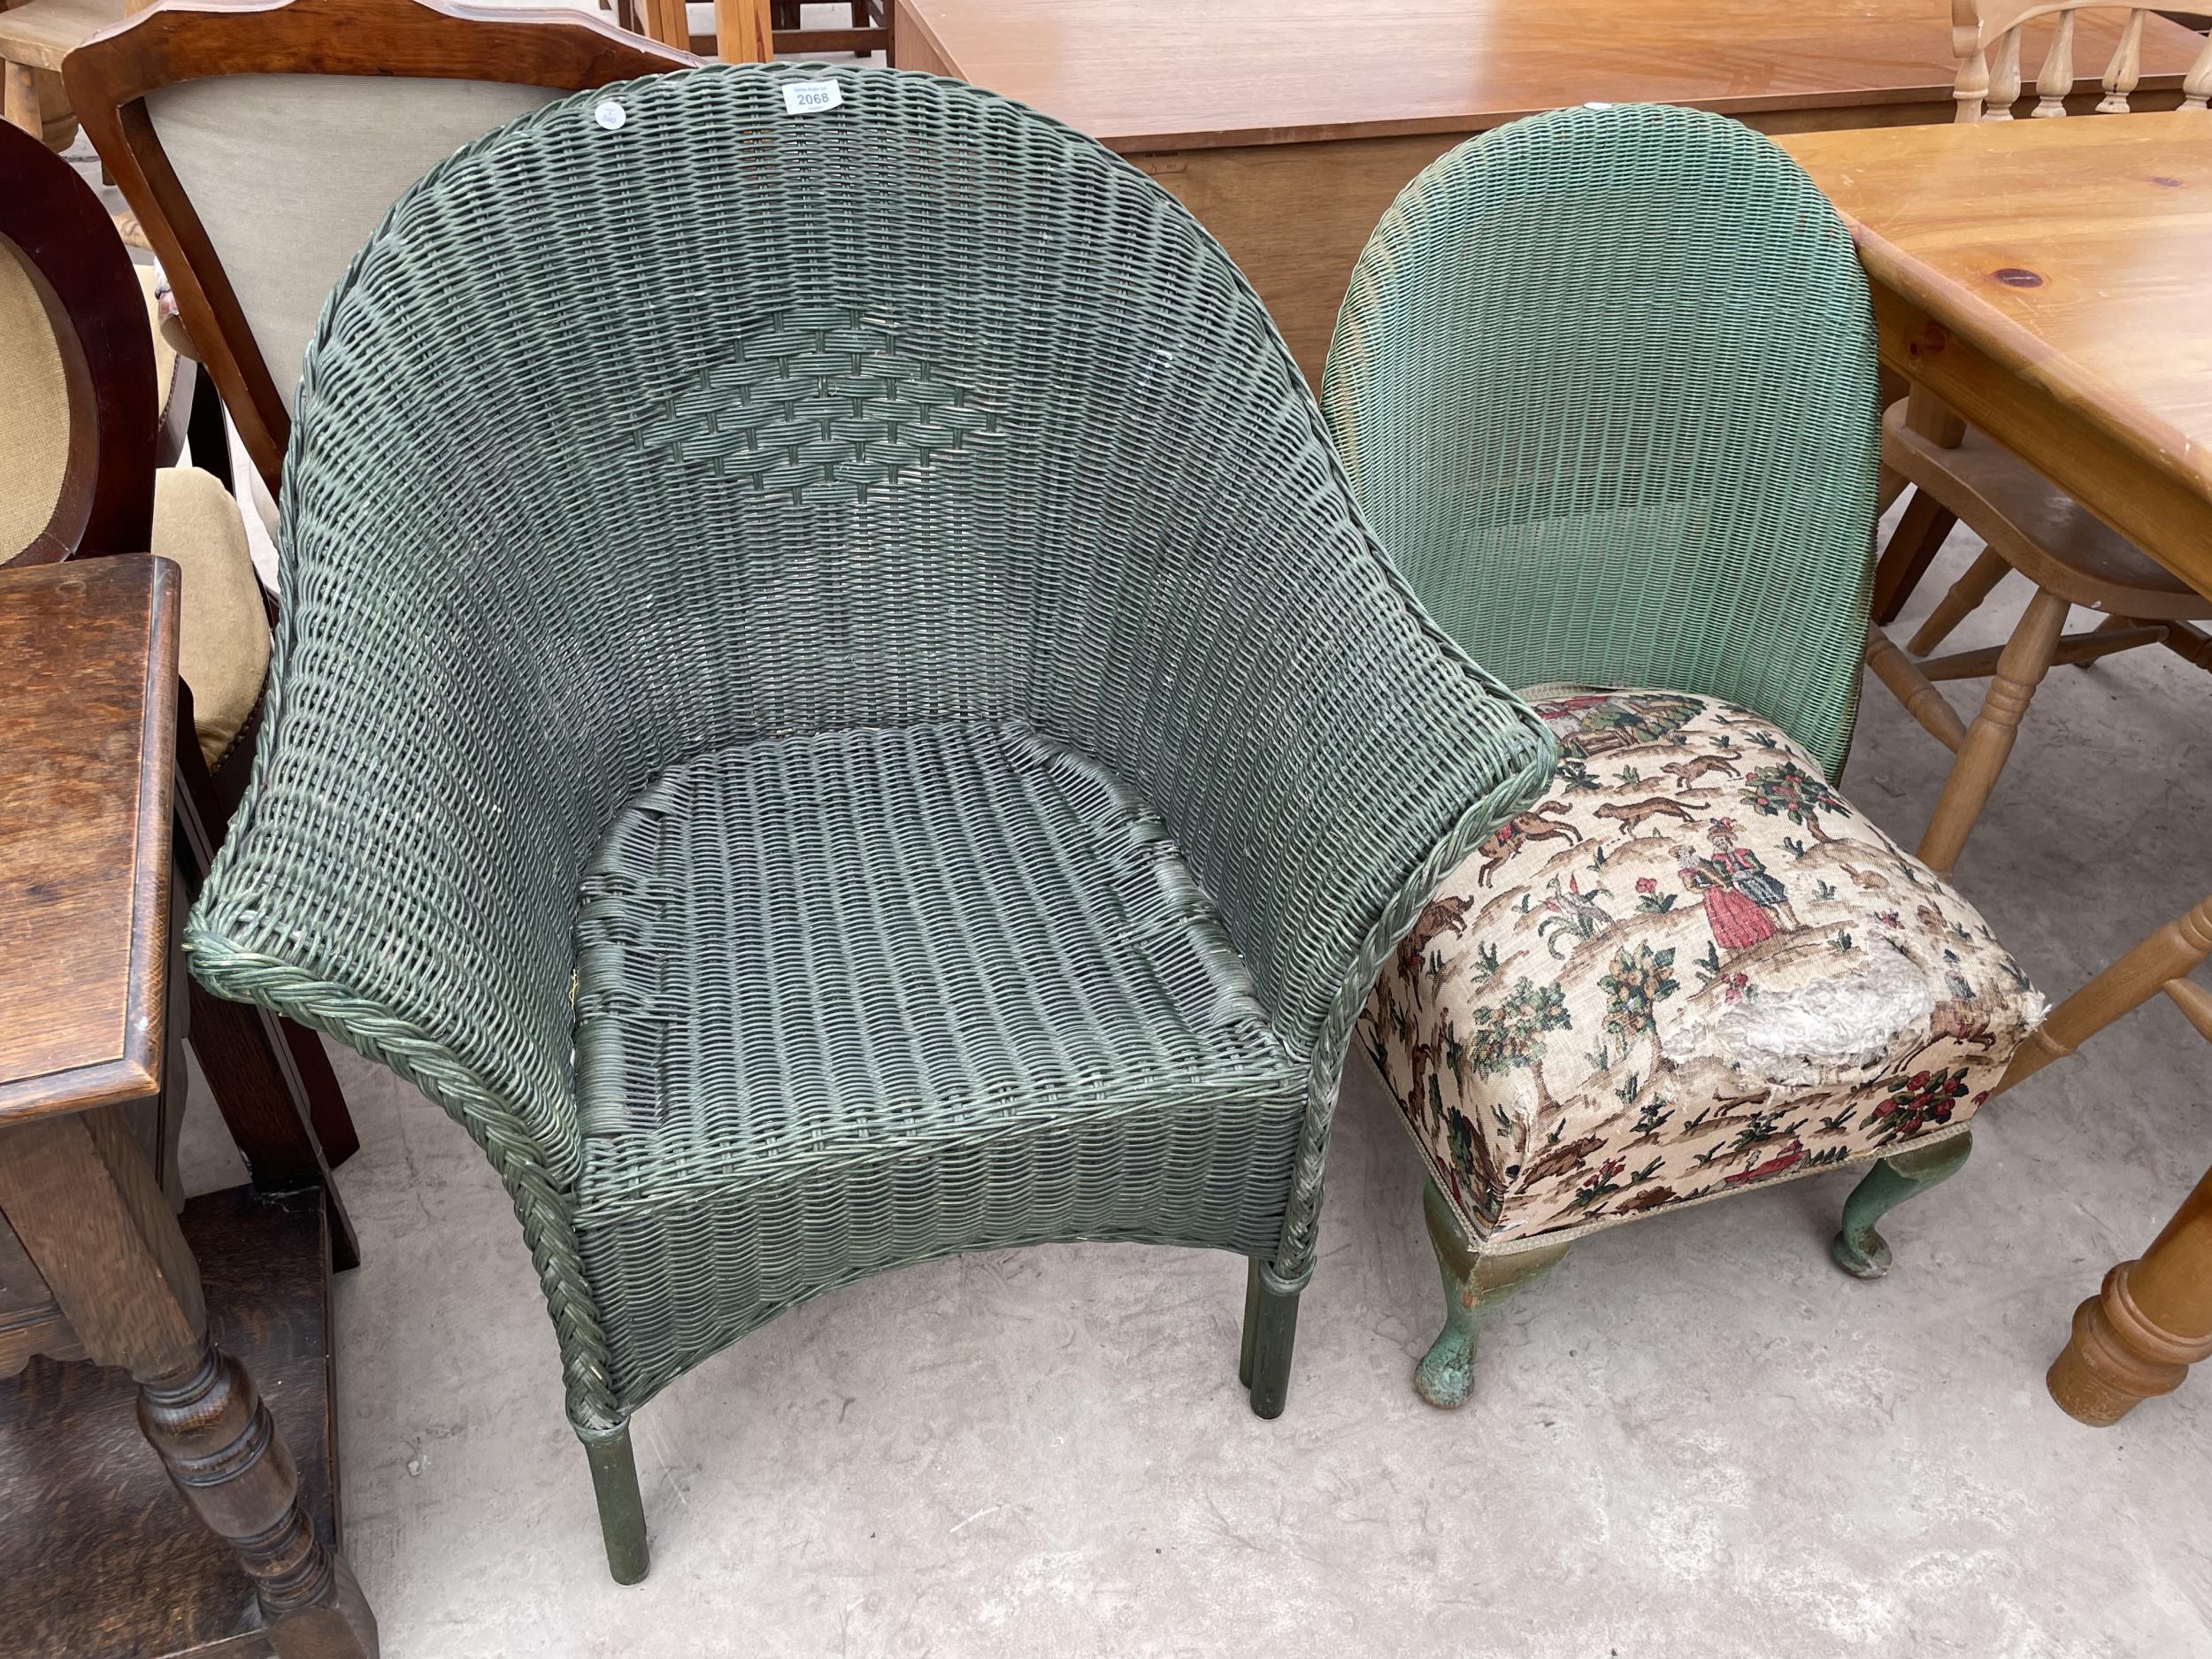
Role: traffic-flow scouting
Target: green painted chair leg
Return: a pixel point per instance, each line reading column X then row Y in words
column 1473, row 1286
column 1858, row 1249
column 1251, row 1319
column 621, row 1507
column 1271, row 1330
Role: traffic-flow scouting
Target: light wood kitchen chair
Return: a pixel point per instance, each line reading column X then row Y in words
column 1959, row 476
column 2152, row 1319
column 755, row 30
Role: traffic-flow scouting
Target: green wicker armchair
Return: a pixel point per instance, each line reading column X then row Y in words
column 861, row 723
column 1604, row 384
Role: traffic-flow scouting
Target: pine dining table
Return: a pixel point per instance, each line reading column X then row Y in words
column 2050, row 283
column 1288, row 126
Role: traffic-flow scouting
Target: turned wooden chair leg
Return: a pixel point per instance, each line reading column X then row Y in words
column 1858, row 1249
column 2138, row 1337
column 1271, row 1332
column 2163, row 961
column 2020, row 669
column 2192, row 644
column 621, row 1505
column 1979, row 581
column 1913, row 545
column 1473, row 1288
column 1914, row 690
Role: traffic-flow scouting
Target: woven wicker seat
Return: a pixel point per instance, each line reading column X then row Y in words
column 1030, row 998
column 860, row 722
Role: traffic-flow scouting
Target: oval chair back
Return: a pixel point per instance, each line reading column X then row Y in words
column 1604, row 383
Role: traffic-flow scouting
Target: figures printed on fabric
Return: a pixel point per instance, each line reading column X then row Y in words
column 1692, row 969
column 1499, row 846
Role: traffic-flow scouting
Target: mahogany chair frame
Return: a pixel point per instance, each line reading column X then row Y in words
column 270, row 1079
column 83, row 278
column 109, row 79
column 110, row 76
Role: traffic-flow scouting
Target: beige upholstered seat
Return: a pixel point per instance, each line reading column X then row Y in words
column 223, row 635
column 223, row 645
column 1691, row 969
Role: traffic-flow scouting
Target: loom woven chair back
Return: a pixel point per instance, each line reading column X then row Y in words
column 1985, row 38
column 1604, row 383
column 261, row 144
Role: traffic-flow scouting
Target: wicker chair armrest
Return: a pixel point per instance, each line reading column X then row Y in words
column 1359, row 754
column 1361, row 757
column 401, row 876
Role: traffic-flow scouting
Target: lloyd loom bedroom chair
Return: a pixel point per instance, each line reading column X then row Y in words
column 1959, row 476
column 1604, row 384
column 864, row 725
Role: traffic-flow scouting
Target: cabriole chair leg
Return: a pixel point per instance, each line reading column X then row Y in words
column 621, row 1507
column 1473, row 1286
column 1859, row 1250
column 1271, row 1331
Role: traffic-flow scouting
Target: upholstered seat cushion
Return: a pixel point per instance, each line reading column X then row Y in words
column 223, row 635
column 1692, row 967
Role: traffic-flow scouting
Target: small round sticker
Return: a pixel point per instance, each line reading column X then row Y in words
column 610, row 115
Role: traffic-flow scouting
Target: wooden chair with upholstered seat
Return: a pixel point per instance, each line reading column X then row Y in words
column 260, row 146
column 1959, row 476
column 1621, row 436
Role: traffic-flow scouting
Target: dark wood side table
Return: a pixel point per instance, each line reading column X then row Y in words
column 93, row 1262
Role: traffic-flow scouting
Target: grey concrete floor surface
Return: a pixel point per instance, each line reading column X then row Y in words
column 1696, row 1438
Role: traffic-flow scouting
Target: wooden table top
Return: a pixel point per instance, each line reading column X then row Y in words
column 1171, row 75
column 87, row 748
column 2076, row 254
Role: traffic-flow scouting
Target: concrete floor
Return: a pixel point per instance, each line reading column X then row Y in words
column 1697, row 1438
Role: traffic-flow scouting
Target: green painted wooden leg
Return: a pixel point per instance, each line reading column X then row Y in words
column 1473, row 1286
column 1858, row 1249
column 621, row 1508
column 1271, row 1330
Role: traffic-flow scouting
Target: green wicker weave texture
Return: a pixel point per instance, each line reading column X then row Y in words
column 1604, row 384
column 851, row 620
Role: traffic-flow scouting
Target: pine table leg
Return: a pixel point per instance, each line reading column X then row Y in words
column 2138, row 1337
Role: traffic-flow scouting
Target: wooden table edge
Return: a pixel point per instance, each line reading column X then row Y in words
column 1474, row 122
column 2020, row 351
column 133, row 1073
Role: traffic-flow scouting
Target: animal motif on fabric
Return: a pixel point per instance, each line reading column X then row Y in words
column 1692, row 968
